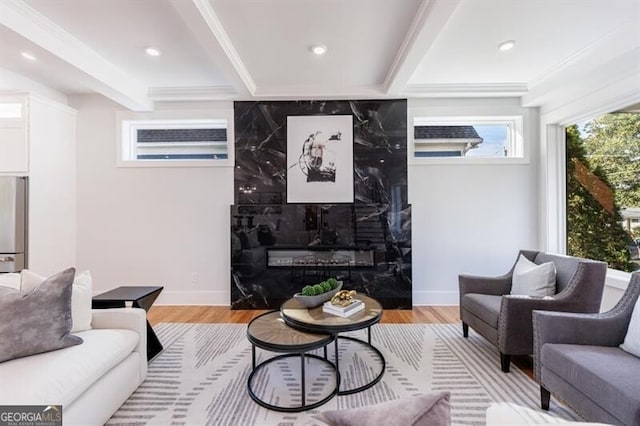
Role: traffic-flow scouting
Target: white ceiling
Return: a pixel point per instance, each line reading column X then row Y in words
column 244, row 49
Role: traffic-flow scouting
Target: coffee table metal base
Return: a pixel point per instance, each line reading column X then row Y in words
column 304, row 406
column 269, row 332
column 369, row 346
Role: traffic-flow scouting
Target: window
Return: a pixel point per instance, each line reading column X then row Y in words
column 11, row 110
column 603, row 189
column 462, row 138
column 179, row 142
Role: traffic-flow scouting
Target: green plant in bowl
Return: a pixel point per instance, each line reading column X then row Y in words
column 333, row 283
column 314, row 295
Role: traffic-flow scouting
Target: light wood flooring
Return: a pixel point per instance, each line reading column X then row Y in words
column 220, row 314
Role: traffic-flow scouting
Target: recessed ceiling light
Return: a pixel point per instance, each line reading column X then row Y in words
column 506, row 45
column 319, row 49
column 152, row 51
column 28, row 56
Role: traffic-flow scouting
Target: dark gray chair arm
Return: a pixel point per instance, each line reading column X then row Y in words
column 586, row 287
column 485, row 285
column 603, row 329
column 515, row 312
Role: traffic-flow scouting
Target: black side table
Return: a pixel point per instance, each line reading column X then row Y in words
column 141, row 297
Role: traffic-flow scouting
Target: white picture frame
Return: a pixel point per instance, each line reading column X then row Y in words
column 320, row 159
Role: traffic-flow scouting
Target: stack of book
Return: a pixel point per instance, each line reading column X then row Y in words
column 343, row 311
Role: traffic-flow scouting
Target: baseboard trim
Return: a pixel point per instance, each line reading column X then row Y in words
column 207, row 298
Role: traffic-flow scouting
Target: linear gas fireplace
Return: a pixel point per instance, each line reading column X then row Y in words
column 320, row 256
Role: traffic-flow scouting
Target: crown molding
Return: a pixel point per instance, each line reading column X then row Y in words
column 295, row 92
column 610, row 59
column 604, row 49
column 107, row 79
column 466, row 90
column 201, row 93
column 429, row 21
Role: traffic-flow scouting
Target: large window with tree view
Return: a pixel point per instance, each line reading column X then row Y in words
column 603, row 189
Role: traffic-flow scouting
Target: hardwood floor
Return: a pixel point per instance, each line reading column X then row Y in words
column 220, row 314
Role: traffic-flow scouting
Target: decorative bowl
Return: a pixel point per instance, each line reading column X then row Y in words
column 318, row 299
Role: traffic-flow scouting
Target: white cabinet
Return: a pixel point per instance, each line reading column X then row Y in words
column 38, row 139
column 14, row 146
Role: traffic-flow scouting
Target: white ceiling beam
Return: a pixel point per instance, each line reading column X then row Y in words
column 108, row 79
column 205, row 25
column 429, row 21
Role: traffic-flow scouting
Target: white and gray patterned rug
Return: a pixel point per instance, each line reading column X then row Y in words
column 201, row 377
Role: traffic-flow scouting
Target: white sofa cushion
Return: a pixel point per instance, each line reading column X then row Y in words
column 511, row 414
column 59, row 377
column 11, row 280
column 80, row 296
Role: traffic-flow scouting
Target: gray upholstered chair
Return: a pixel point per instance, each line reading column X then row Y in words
column 505, row 321
column 578, row 359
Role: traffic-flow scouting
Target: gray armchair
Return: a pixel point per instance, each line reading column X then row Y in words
column 505, row 321
column 577, row 358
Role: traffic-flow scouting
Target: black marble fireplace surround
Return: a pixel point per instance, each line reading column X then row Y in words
column 278, row 247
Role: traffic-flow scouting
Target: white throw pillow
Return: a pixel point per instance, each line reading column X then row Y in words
column 533, row 280
column 631, row 342
column 80, row 296
column 11, row 280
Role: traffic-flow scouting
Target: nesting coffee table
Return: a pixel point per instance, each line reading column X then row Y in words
column 314, row 320
column 268, row 331
column 296, row 330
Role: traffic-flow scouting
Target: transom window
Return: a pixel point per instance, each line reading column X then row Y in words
column 467, row 137
column 183, row 141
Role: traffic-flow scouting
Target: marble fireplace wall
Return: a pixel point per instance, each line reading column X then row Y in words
column 266, row 229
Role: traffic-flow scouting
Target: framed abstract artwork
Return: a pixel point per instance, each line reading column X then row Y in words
column 320, row 159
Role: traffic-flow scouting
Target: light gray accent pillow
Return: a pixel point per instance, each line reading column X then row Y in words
column 39, row 320
column 432, row 409
column 534, row 280
column 631, row 342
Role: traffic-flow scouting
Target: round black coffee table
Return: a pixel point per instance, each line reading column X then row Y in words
column 315, row 320
column 269, row 332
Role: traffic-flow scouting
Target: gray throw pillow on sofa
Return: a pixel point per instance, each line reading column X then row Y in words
column 39, row 320
column 432, row 409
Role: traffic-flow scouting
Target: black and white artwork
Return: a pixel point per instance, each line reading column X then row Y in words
column 320, row 159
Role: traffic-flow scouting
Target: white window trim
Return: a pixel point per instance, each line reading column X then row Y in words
column 515, row 123
column 553, row 177
column 169, row 119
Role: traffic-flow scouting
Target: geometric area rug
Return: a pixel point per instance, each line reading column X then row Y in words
column 201, row 377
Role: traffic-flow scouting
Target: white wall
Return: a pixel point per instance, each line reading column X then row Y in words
column 145, row 226
column 52, row 186
column 470, row 218
column 150, row 226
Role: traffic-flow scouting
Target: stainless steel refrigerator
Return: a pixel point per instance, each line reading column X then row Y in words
column 13, row 223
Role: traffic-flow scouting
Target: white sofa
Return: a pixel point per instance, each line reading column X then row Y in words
column 90, row 380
